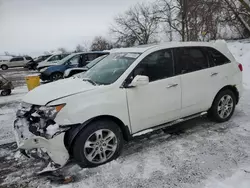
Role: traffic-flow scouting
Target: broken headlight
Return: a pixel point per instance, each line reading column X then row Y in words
column 49, row 111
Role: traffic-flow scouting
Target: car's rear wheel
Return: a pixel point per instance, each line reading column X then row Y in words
column 223, row 106
column 56, row 76
column 4, row 67
column 100, row 142
column 6, row 92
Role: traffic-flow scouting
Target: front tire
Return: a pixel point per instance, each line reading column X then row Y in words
column 223, row 106
column 100, row 142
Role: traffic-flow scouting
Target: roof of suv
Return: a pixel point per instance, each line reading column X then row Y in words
column 92, row 52
column 142, row 48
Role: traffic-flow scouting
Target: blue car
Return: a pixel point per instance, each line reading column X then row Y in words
column 81, row 59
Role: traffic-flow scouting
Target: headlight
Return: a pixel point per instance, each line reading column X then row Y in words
column 44, row 69
column 50, row 111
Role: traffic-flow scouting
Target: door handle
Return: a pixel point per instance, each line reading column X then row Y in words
column 214, row 74
column 172, row 85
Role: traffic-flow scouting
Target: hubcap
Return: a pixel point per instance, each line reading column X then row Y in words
column 56, row 76
column 225, row 106
column 100, row 146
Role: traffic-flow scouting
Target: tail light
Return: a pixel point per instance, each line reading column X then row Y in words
column 240, row 67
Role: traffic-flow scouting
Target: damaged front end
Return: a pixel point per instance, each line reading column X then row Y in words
column 37, row 134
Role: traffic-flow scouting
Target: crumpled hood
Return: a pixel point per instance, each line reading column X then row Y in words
column 49, row 92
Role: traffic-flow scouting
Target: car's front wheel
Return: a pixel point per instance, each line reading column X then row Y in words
column 223, row 106
column 98, row 143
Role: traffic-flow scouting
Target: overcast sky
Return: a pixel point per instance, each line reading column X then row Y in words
column 35, row 26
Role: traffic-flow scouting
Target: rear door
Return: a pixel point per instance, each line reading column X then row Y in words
column 192, row 65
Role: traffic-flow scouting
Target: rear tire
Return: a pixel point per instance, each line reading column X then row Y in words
column 6, row 92
column 56, row 76
column 4, row 67
column 223, row 106
column 98, row 143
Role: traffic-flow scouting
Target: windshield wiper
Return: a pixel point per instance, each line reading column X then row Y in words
column 90, row 81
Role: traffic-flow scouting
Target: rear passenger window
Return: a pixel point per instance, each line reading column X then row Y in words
column 190, row 59
column 156, row 66
column 91, row 57
column 217, row 58
column 16, row 59
column 28, row 58
column 63, row 56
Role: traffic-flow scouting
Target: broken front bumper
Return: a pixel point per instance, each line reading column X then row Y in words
column 29, row 143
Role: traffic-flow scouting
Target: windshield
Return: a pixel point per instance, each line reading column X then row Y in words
column 62, row 61
column 108, row 70
column 92, row 63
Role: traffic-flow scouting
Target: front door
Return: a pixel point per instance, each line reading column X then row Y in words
column 159, row 101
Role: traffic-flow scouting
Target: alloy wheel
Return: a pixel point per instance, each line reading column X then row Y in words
column 225, row 106
column 56, row 76
column 100, row 146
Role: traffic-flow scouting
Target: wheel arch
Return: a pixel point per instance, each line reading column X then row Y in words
column 72, row 133
column 232, row 88
column 4, row 65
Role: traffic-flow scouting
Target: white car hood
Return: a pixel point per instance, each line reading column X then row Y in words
column 46, row 63
column 46, row 93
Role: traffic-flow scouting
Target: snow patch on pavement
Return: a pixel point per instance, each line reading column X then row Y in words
column 16, row 95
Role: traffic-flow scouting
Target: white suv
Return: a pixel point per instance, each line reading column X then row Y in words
column 132, row 90
column 15, row 62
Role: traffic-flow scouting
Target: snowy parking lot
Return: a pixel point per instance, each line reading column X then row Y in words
column 199, row 153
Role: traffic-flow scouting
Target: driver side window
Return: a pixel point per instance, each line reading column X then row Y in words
column 157, row 65
column 74, row 60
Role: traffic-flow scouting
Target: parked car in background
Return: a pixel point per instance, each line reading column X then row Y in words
column 15, row 62
column 33, row 64
column 135, row 89
column 81, row 59
column 73, row 71
column 52, row 60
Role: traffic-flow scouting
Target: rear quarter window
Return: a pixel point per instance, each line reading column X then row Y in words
column 216, row 57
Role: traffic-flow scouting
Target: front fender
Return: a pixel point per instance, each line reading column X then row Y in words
column 82, row 107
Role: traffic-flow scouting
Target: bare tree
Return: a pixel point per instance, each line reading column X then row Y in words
column 138, row 25
column 46, row 53
column 79, row 48
column 63, row 50
column 100, row 43
column 203, row 19
column 237, row 13
column 246, row 4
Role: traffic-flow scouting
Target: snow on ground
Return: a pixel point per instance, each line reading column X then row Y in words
column 8, row 106
column 241, row 52
column 204, row 155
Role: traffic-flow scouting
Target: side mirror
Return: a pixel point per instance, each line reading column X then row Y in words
column 139, row 80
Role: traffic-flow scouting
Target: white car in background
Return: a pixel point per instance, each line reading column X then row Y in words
column 15, row 62
column 131, row 91
column 52, row 60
